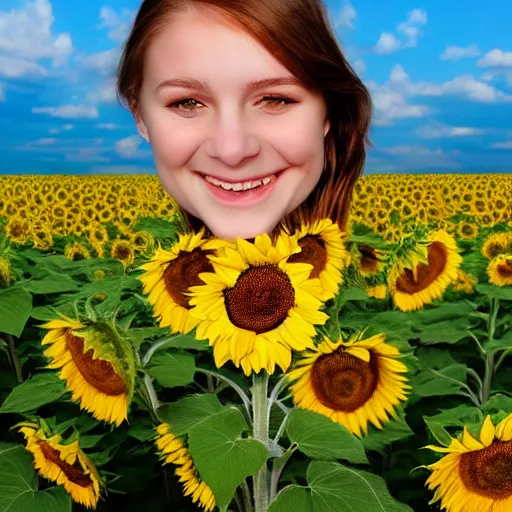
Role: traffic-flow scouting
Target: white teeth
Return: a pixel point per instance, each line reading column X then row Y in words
column 247, row 185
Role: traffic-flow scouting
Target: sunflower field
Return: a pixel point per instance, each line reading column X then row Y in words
column 146, row 367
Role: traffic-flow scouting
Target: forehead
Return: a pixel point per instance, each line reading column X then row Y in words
column 208, row 42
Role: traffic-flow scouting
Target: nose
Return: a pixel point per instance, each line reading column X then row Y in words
column 232, row 141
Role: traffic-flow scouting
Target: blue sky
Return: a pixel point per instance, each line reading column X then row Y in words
column 440, row 75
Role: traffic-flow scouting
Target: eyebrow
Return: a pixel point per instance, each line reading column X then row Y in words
column 252, row 86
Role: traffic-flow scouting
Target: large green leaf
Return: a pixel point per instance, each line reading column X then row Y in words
column 394, row 430
column 223, row 459
column 500, row 344
column 427, row 383
column 448, row 331
column 53, row 283
column 337, row 488
column 497, row 403
column 189, row 412
column 15, row 308
column 319, row 437
column 495, row 292
column 18, row 485
column 458, row 416
column 173, row 369
column 292, row 499
column 41, row 389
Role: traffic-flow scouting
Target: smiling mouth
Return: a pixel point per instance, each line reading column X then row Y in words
column 242, row 186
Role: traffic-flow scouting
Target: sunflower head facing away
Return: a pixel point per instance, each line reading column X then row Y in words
column 170, row 274
column 64, row 464
column 322, row 245
column 97, row 364
column 475, row 474
column 173, row 451
column 499, row 270
column 255, row 307
column 353, row 383
column 423, row 275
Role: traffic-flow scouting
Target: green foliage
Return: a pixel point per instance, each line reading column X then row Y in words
column 173, row 368
column 15, row 307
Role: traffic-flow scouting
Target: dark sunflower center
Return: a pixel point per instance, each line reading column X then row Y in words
column 505, row 269
column 344, row 382
column 183, row 272
column 488, row 472
column 369, row 260
column 98, row 373
column 261, row 299
column 313, row 252
column 74, row 473
column 427, row 273
column 122, row 252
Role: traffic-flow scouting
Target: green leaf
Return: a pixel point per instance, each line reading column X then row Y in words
column 437, row 430
column 497, row 403
column 41, row 389
column 495, row 292
column 185, row 342
column 457, row 416
column 319, row 437
column 351, row 294
column 18, row 485
column 223, row 459
column 439, row 314
column 157, row 227
column 341, row 489
column 141, row 429
column 173, row 369
column 47, row 313
column 15, row 308
column 54, row 283
column 449, row 331
column 189, row 412
column 292, row 499
column 427, row 383
column 394, row 430
column 139, row 335
column 501, row 344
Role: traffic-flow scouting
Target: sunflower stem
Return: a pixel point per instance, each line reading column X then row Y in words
column 14, row 357
column 278, row 469
column 489, row 361
column 504, row 354
column 247, row 497
column 260, row 433
column 480, row 347
column 151, row 350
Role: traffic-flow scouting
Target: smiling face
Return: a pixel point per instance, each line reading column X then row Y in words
column 230, row 155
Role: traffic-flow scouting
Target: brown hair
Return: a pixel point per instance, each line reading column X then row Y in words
column 299, row 34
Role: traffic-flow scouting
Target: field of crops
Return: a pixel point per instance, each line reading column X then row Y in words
column 417, row 300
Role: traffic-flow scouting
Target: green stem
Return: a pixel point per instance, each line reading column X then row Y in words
column 247, row 497
column 278, row 469
column 260, row 432
column 14, row 356
column 504, row 354
column 489, row 361
column 151, row 350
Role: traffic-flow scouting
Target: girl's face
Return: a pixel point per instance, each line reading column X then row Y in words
column 228, row 153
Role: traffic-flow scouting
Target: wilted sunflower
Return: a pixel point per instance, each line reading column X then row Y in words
column 499, row 270
column 464, row 282
column 66, row 465
column 369, row 260
column 97, row 364
column 123, row 251
column 353, row 382
column 322, row 245
column 475, row 474
column 169, row 275
column 256, row 308
column 496, row 244
column 417, row 279
column 173, row 451
column 76, row 251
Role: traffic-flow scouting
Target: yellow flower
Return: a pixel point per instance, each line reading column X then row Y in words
column 66, row 465
column 353, row 382
column 5, row 272
column 475, row 474
column 414, row 282
column 123, row 251
column 143, row 241
column 171, row 273
column 96, row 363
column 378, row 292
column 173, row 451
column 256, row 308
column 496, row 244
column 464, row 282
column 369, row 260
column 499, row 270
column 76, row 251
column 322, row 245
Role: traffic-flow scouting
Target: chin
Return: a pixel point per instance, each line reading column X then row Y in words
column 244, row 231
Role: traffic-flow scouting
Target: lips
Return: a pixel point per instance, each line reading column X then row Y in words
column 242, row 180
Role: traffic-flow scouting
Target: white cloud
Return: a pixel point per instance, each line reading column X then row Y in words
column 129, row 146
column 502, row 145
column 346, row 16
column 389, row 43
column 119, row 25
column 457, row 52
column 48, row 141
column 68, row 111
column 104, row 93
column 409, row 158
column 104, row 63
column 359, row 66
column 11, row 67
column 26, row 33
column 87, row 155
column 63, row 128
column 107, row 126
column 439, row 130
column 496, row 58
column 2, row 94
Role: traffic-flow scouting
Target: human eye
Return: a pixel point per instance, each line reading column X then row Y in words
column 275, row 99
column 177, row 104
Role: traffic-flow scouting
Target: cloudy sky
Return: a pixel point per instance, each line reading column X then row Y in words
column 440, row 75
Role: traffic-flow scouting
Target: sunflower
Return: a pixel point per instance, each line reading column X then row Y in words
column 475, row 474
column 173, row 450
column 499, row 270
column 66, row 465
column 96, row 363
column 123, row 251
column 418, row 279
column 496, row 244
column 143, row 241
column 171, row 272
column 464, row 282
column 322, row 245
column 76, row 251
column 378, row 292
column 256, row 307
column 369, row 260
column 5, row 272
column 353, row 382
